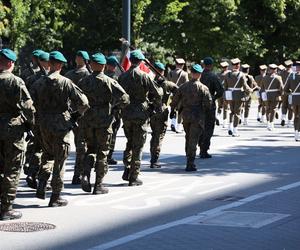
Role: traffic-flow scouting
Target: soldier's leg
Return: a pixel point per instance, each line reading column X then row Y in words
column 179, row 123
column 115, row 127
column 237, row 114
column 296, row 109
column 127, row 154
column 80, row 154
column 247, row 110
column 290, row 115
column 231, row 117
column 284, row 109
column 28, row 155
column 11, row 162
column 209, row 131
column 225, row 111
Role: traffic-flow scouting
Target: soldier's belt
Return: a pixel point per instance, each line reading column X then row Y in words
column 272, row 90
column 235, row 89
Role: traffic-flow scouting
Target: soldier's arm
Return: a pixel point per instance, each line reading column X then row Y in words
column 78, row 98
column 206, row 99
column 280, row 85
column 219, row 89
column 155, row 91
column 121, row 98
column 246, row 87
column 171, row 86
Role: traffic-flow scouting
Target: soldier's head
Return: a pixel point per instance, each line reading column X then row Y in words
column 245, row 68
column 136, row 57
column 160, row 67
column 224, row 66
column 56, row 61
column 236, row 64
column 288, row 64
column 81, row 57
column 196, row 71
column 272, row 69
column 44, row 60
column 263, row 69
column 111, row 63
column 7, row 59
column 179, row 63
column 98, row 62
column 35, row 56
column 208, row 63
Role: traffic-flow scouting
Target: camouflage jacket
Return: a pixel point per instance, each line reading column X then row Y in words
column 195, row 101
column 52, row 96
column 77, row 74
column 112, row 75
column 142, row 91
column 105, row 96
column 16, row 108
column 32, row 78
column 28, row 72
column 178, row 76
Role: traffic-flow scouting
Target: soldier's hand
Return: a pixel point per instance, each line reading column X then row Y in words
column 172, row 114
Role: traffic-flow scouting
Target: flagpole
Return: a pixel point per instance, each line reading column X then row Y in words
column 126, row 27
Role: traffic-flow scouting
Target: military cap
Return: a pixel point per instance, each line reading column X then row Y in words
column 159, row 65
column 263, row 67
column 245, row 66
column 83, row 54
column 273, row 66
column 208, row 60
column 281, row 67
column 180, row 61
column 235, row 61
column 57, row 56
column 297, row 63
column 224, row 64
column 9, row 54
column 44, row 56
column 98, row 58
column 288, row 63
column 137, row 54
column 112, row 60
column 37, row 52
column 197, row 68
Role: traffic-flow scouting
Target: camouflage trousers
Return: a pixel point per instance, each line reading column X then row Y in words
column 296, row 109
column 235, row 108
column 136, row 133
column 97, row 140
column 158, row 124
column 271, row 110
column 286, row 108
column 80, row 145
column 11, row 160
column 115, row 127
column 193, row 131
column 209, row 126
column 56, row 147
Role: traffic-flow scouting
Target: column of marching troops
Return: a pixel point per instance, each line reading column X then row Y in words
column 91, row 100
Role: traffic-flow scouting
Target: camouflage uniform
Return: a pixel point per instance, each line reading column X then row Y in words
column 139, row 86
column 222, row 103
column 159, row 121
column 76, row 75
column 105, row 96
column 210, row 80
column 247, row 98
column 52, row 96
column 29, row 72
column 14, row 100
column 261, row 105
column 195, row 102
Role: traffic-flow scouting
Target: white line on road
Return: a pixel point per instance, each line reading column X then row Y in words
column 190, row 219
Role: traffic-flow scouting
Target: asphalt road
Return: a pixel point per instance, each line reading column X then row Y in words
column 245, row 197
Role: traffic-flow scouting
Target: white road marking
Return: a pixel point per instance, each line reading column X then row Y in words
column 190, row 219
column 217, row 188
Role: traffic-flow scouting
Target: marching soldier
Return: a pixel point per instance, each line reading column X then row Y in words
column 272, row 88
column 285, row 107
column 76, row 75
column 261, row 111
column 292, row 88
column 236, row 86
column 16, row 116
column 142, row 90
column 105, row 96
column 52, row 95
column 213, row 83
column 35, row 68
column 159, row 120
column 178, row 76
column 195, row 103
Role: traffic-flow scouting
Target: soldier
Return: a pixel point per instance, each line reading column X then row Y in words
column 261, row 112
column 142, row 90
column 159, row 120
column 222, row 103
column 34, row 147
column 236, row 86
column 35, row 68
column 76, row 75
column 195, row 103
column 105, row 96
column 178, row 76
column 53, row 95
column 247, row 98
column 111, row 66
column 285, row 107
column 213, row 82
column 272, row 88
column 16, row 116
column 292, row 88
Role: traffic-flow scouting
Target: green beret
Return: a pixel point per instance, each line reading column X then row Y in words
column 8, row 54
column 196, row 68
column 57, row 56
column 112, row 60
column 83, row 54
column 208, row 61
column 99, row 58
column 37, row 52
column 137, row 54
column 159, row 65
column 44, row 56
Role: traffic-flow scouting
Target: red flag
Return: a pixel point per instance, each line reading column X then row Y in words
column 126, row 62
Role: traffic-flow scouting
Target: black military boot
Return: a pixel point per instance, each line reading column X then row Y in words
column 190, row 166
column 85, row 184
column 205, row 155
column 154, row 162
column 110, row 160
column 135, row 182
column 57, row 201
column 31, row 181
column 99, row 188
column 41, row 190
column 76, row 180
column 10, row 215
column 125, row 175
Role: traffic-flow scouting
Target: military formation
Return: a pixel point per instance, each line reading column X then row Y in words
column 42, row 108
